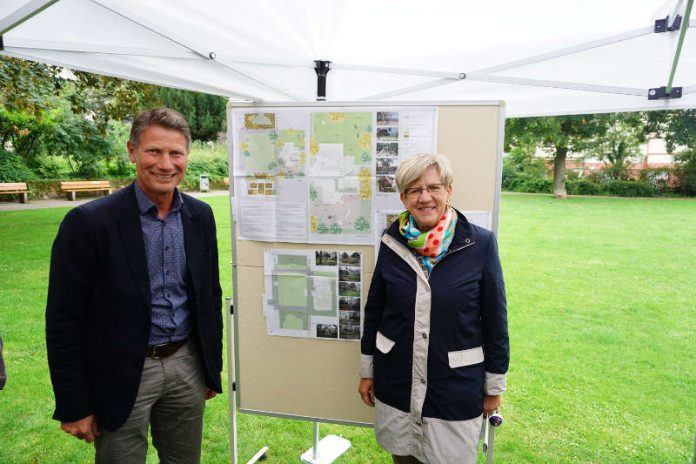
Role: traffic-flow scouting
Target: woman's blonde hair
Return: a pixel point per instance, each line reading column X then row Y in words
column 413, row 168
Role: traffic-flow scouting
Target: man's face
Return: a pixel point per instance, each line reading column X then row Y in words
column 160, row 160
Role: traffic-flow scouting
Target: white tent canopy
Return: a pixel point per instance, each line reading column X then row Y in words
column 542, row 57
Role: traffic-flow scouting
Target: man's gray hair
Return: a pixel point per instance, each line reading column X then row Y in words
column 413, row 168
column 163, row 117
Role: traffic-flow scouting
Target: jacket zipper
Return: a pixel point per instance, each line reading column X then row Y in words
column 451, row 252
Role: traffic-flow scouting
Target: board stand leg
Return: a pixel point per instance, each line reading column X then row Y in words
column 326, row 450
column 488, row 437
column 234, row 452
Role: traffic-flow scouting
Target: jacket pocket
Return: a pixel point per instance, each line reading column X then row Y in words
column 463, row 358
column 383, row 343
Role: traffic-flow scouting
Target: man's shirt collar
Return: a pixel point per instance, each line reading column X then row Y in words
column 145, row 205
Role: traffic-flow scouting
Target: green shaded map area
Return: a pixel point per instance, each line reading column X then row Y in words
column 258, row 149
column 292, row 263
column 353, row 130
column 292, row 290
column 295, row 137
column 358, row 136
column 328, row 127
column 293, row 320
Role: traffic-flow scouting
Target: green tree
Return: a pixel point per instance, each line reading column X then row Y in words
column 558, row 136
column 26, row 133
column 678, row 128
column 105, row 99
column 28, row 87
column 204, row 113
column 80, row 141
column 619, row 143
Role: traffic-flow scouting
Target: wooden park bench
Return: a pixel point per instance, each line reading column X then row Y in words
column 11, row 188
column 72, row 187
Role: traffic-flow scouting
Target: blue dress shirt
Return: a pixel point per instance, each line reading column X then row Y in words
column 166, row 263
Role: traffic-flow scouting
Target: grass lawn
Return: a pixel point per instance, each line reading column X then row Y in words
column 602, row 311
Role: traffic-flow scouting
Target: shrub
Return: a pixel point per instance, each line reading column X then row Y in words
column 206, row 159
column 118, row 162
column 686, row 178
column 13, row 169
column 663, row 179
column 583, row 187
column 629, row 188
column 519, row 167
column 530, row 184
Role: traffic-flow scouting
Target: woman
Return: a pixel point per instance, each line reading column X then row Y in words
column 435, row 346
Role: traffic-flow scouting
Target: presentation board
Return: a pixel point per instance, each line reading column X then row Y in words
column 308, row 184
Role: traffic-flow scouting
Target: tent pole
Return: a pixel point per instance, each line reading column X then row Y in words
column 122, row 75
column 556, row 84
column 413, row 88
column 23, row 13
column 206, row 55
column 633, row 34
column 677, row 53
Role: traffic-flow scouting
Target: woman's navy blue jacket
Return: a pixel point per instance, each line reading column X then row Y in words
column 437, row 342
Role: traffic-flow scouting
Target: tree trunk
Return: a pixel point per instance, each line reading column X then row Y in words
column 559, row 162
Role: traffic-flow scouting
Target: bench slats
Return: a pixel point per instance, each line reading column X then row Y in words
column 70, row 187
column 15, row 188
column 85, row 185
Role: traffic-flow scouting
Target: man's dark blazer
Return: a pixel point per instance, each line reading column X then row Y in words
column 98, row 311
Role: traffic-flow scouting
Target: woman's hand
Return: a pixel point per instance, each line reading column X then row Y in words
column 490, row 404
column 366, row 388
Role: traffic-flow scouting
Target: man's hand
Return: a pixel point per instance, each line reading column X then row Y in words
column 209, row 393
column 366, row 388
column 490, row 404
column 85, row 429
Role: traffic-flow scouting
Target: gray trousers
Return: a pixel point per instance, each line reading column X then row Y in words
column 171, row 399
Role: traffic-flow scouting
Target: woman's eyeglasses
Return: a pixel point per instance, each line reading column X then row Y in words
column 434, row 190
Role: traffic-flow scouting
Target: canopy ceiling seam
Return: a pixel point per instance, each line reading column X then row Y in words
column 23, row 13
column 30, row 44
column 677, row 8
column 633, row 34
column 392, row 70
column 337, row 26
column 40, row 45
column 558, row 85
column 407, row 90
column 282, row 24
column 208, row 88
column 109, row 6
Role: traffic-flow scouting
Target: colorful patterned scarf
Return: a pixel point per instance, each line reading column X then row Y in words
column 433, row 244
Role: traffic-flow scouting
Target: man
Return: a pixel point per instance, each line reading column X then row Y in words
column 134, row 312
